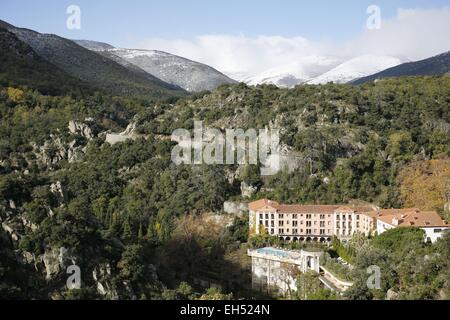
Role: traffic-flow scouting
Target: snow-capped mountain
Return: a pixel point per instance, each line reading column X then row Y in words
column 187, row 74
column 356, row 68
column 282, row 80
column 91, row 68
column 94, row 45
column 292, row 74
column 320, row 70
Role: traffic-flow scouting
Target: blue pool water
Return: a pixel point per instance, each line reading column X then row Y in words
column 273, row 252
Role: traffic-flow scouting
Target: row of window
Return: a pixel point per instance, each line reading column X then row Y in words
column 308, row 216
column 294, row 216
column 322, row 224
column 308, row 223
column 308, row 231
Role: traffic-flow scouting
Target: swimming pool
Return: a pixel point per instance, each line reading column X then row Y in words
column 273, row 252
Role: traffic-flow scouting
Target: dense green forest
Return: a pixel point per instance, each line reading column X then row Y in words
column 141, row 227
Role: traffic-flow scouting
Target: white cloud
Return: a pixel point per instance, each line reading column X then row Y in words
column 413, row 34
column 241, row 54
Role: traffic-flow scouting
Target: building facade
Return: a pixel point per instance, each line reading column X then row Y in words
column 429, row 221
column 320, row 223
column 308, row 222
column 275, row 270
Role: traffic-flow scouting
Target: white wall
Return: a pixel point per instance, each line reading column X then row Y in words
column 382, row 227
column 434, row 234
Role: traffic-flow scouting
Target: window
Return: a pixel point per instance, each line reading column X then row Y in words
column 294, row 216
column 281, row 231
column 308, row 231
column 272, row 216
column 357, row 217
column 267, row 216
column 322, row 223
column 294, row 223
column 294, row 231
column 308, row 223
column 322, row 232
column 281, row 216
column 437, row 230
column 281, row 223
column 322, row 216
column 260, row 216
column 308, row 216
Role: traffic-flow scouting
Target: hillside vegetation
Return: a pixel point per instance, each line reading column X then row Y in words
column 120, row 211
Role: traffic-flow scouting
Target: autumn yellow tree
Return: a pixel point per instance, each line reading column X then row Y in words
column 425, row 184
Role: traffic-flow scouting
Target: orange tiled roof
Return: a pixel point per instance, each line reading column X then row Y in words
column 413, row 218
column 323, row 209
column 294, row 208
column 371, row 214
column 255, row 205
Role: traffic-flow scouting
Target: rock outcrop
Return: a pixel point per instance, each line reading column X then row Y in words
column 84, row 129
column 235, row 208
column 247, row 190
column 59, row 192
column 129, row 133
column 57, row 260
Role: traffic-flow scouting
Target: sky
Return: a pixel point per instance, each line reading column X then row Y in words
column 248, row 35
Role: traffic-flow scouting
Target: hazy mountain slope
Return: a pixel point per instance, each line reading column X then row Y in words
column 280, row 79
column 291, row 74
column 356, row 68
column 189, row 75
column 94, row 45
column 437, row 65
column 97, row 70
column 21, row 66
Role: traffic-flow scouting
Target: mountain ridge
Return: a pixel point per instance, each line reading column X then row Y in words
column 188, row 74
column 99, row 71
column 434, row 66
column 21, row 66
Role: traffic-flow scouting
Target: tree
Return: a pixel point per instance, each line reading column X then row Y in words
column 308, row 283
column 214, row 293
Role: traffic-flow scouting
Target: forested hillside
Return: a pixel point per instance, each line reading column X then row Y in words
column 21, row 66
column 140, row 227
column 99, row 72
